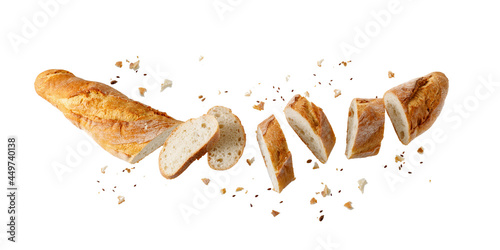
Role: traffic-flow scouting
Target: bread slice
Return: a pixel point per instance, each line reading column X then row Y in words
column 278, row 158
column 188, row 142
column 365, row 127
column 415, row 105
column 311, row 125
column 229, row 149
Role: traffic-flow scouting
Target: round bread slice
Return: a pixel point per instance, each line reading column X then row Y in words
column 228, row 150
column 188, row 142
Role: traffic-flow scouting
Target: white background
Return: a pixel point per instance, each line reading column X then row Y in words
column 245, row 43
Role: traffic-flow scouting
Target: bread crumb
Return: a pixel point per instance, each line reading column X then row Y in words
column 320, row 62
column 361, row 185
column 420, row 150
column 119, row 64
column 166, row 84
column 205, row 180
column 239, row 189
column 121, row 199
column 275, row 213
column 201, row 58
column 103, row 169
column 399, row 158
column 250, row 161
column 306, row 93
column 223, row 191
column 316, row 166
column 287, row 78
column 309, row 161
column 126, row 169
column 348, row 205
column 337, row 92
column 390, row 74
column 134, row 65
column 344, row 63
column 142, row 91
column 259, row 106
column 313, row 201
column 113, row 82
column 326, row 191
column 248, row 93
column 429, row 181
column 321, row 217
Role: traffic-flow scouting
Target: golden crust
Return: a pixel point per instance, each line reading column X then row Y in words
column 121, row 126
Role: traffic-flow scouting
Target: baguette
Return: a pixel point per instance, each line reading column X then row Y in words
column 274, row 149
column 125, row 128
column 187, row 143
column 415, row 105
column 365, row 127
column 311, row 125
column 229, row 149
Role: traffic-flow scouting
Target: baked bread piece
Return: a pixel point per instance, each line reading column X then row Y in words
column 415, row 105
column 228, row 150
column 278, row 158
column 187, row 143
column 311, row 125
column 365, row 127
column 125, row 128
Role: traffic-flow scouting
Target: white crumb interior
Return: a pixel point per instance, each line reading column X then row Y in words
column 152, row 145
column 352, row 128
column 303, row 129
column 267, row 159
column 186, row 141
column 398, row 117
column 228, row 150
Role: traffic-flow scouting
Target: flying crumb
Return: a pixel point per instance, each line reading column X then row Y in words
column 121, row 199
column 113, row 82
column 223, row 191
column 250, row 161
column 348, row 205
column 326, row 191
column 248, row 93
column 142, row 91
column 119, row 64
column 306, row 93
column 103, row 169
column 275, row 213
column 309, row 161
column 201, row 58
column 320, row 62
column 399, row 158
column 287, row 78
column 313, row 201
column 321, row 217
column 316, row 166
column 420, row 150
column 205, row 180
column 259, row 106
column 337, row 92
column 361, row 185
column 390, row 74
column 166, row 84
column 239, row 189
column 126, row 169
column 134, row 65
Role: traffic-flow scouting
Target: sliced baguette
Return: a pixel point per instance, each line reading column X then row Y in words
column 188, row 142
column 415, row 105
column 274, row 149
column 311, row 125
column 365, row 127
column 229, row 148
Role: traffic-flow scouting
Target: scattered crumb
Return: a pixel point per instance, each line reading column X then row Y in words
column 203, row 99
column 119, row 64
column 281, row 202
column 420, row 150
column 268, row 189
column 142, row 90
column 309, row 161
column 348, row 205
column 251, row 205
column 259, row 106
column 337, row 92
column 275, row 213
column 239, row 189
column 246, row 191
column 201, row 58
column 287, row 78
column 344, row 63
column 248, row 93
column 429, row 181
column 127, row 169
column 103, row 170
column 316, row 166
column 321, row 217
column 385, row 166
column 223, row 191
column 326, row 191
column 134, row 65
column 313, row 201
column 390, row 74
column 399, row 158
column 200, row 96
column 320, row 62
column 121, row 199
column 306, row 93
column 166, row 84
column 250, row 161
column 113, row 82
column 361, row 183
column 205, row 180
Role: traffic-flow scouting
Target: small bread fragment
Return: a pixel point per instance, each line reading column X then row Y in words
column 274, row 149
column 228, row 150
column 188, row 142
column 365, row 127
column 415, row 105
column 311, row 125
